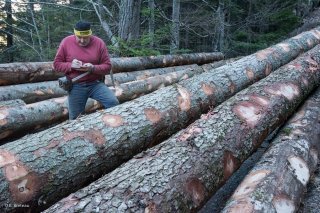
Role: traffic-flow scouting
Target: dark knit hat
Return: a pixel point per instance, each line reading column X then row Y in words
column 82, row 28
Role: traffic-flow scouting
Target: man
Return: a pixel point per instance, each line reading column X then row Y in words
column 79, row 53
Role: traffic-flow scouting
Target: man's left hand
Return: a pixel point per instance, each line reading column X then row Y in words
column 86, row 67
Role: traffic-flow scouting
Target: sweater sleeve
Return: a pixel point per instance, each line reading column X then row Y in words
column 60, row 64
column 104, row 67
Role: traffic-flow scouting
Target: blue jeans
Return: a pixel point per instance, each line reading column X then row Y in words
column 96, row 90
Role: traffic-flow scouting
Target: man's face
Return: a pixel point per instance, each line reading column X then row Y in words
column 83, row 40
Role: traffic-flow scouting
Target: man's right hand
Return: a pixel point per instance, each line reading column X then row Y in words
column 76, row 64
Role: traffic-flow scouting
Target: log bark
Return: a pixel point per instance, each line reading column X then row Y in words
column 21, row 119
column 110, row 137
column 11, row 103
column 32, row 92
column 35, row 92
column 17, row 73
column 312, row 198
column 180, row 174
column 278, row 181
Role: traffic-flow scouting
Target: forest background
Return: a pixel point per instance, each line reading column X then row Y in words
column 31, row 30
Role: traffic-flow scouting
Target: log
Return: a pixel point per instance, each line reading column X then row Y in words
column 35, row 92
column 278, row 181
column 181, row 173
column 17, row 73
column 11, row 103
column 312, row 198
column 32, row 92
column 126, row 129
column 125, row 77
column 140, row 63
column 21, row 119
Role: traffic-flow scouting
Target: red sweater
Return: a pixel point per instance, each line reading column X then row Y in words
column 95, row 53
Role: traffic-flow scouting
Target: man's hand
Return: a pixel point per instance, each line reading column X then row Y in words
column 86, row 67
column 76, row 64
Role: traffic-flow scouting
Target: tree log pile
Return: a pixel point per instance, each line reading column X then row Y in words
column 17, row 73
column 176, row 173
column 181, row 173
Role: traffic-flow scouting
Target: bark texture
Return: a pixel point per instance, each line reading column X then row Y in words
column 124, row 77
column 181, row 173
column 32, row 92
column 312, row 199
column 22, row 119
column 86, row 148
column 278, row 181
column 141, row 63
column 17, row 73
column 35, row 92
column 11, row 103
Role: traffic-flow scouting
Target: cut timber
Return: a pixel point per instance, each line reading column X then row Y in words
column 11, row 103
column 32, row 92
column 17, row 73
column 125, row 77
column 181, row 173
column 35, row 92
column 277, row 183
column 37, row 115
column 140, row 63
column 103, row 140
column 312, row 197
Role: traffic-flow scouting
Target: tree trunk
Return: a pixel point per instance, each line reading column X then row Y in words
column 175, row 28
column 129, row 22
column 93, row 145
column 100, row 13
column 181, row 173
column 151, row 22
column 34, row 92
column 278, row 181
column 9, row 29
column 18, row 120
column 17, row 73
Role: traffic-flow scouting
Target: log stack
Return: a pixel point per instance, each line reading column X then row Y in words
column 179, row 174
column 17, row 73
